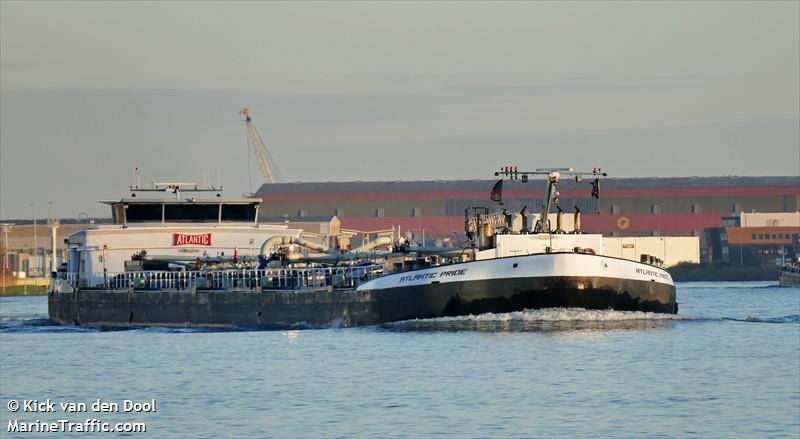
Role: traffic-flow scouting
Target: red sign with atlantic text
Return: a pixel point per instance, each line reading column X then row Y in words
column 181, row 239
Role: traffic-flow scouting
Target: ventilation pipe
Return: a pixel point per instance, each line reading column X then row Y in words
column 486, row 240
column 577, row 221
column 524, row 214
column 559, row 220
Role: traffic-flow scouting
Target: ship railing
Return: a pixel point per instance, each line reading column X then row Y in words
column 70, row 278
column 252, row 279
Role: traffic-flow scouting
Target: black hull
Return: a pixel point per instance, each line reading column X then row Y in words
column 351, row 307
column 516, row 294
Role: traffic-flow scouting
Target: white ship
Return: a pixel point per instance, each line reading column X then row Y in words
column 171, row 258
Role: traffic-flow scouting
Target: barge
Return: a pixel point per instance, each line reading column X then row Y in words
column 510, row 262
column 789, row 275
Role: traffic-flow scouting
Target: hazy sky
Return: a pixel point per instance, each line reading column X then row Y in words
column 387, row 91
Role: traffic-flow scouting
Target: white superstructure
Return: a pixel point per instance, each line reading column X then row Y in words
column 170, row 229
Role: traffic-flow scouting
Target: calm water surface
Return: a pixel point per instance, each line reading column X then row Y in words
column 727, row 366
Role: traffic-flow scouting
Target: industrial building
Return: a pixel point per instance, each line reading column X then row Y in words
column 30, row 249
column 754, row 238
column 626, row 207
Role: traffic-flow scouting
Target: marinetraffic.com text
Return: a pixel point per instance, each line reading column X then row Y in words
column 50, row 416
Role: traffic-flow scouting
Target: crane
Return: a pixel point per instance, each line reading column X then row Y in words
column 268, row 167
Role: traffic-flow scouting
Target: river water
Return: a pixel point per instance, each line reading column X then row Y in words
column 727, row 366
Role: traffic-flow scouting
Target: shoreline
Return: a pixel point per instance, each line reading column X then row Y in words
column 23, row 290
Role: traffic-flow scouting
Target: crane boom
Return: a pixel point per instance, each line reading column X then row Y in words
column 261, row 149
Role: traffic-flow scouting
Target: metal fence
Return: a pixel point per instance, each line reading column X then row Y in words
column 269, row 279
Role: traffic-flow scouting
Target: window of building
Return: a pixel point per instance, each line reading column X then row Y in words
column 695, row 208
column 339, row 212
column 736, row 208
column 755, row 236
column 615, row 209
column 655, row 209
column 417, row 211
column 379, row 212
column 655, row 233
column 302, row 213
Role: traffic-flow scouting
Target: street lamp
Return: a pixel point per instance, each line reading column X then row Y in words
column 6, row 227
column 35, row 240
column 53, row 238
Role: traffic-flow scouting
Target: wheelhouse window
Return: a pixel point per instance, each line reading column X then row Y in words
column 143, row 213
column 191, row 213
column 239, row 212
column 197, row 212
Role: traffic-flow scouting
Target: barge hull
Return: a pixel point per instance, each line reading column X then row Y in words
column 346, row 308
column 789, row 278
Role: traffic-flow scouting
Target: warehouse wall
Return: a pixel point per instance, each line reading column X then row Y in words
column 672, row 250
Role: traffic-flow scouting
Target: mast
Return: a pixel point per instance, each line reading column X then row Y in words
column 553, row 178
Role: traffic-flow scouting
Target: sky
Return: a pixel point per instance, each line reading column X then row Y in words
column 387, row 91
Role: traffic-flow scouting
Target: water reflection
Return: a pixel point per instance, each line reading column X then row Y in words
column 435, row 325
column 544, row 320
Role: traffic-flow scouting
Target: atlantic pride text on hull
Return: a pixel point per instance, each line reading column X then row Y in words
column 415, row 277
